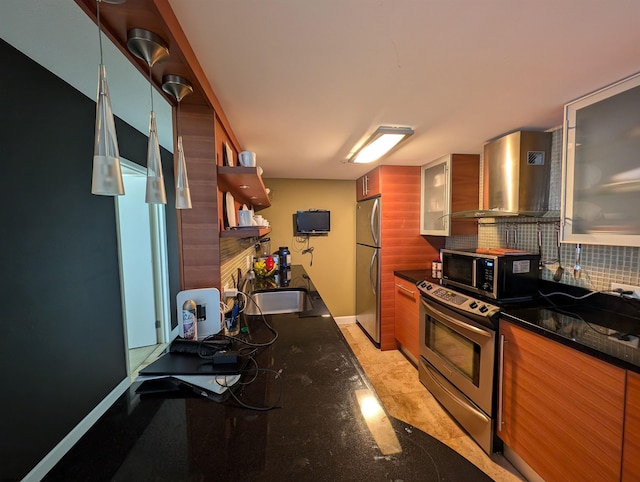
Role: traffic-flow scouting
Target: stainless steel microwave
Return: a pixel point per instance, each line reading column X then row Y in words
column 497, row 276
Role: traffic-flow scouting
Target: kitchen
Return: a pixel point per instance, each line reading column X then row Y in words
column 597, row 261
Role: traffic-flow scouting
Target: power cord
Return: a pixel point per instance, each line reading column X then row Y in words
column 250, row 351
column 308, row 250
column 591, row 293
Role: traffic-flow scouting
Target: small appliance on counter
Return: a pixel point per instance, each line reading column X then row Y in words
column 496, row 273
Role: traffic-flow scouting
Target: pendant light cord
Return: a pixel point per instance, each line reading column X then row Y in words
column 178, row 121
column 99, row 29
column 151, row 86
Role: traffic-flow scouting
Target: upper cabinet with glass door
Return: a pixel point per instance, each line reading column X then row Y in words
column 449, row 184
column 601, row 188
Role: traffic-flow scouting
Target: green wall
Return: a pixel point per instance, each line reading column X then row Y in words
column 333, row 268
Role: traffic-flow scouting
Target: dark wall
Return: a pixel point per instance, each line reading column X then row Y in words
column 62, row 348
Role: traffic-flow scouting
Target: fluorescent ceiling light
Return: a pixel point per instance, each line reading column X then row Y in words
column 383, row 140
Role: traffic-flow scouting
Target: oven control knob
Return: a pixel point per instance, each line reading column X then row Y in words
column 473, row 305
column 429, row 287
column 483, row 309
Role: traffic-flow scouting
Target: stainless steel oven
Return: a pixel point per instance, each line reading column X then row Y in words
column 457, row 357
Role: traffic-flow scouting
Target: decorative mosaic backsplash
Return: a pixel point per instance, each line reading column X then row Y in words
column 233, row 256
column 600, row 265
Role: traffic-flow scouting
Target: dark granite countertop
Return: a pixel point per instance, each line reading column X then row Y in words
column 317, row 432
column 415, row 275
column 604, row 326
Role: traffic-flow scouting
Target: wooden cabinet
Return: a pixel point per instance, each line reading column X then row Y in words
column 368, row 185
column 448, row 185
column 631, row 457
column 403, row 248
column 407, row 300
column 601, row 175
column 560, row 410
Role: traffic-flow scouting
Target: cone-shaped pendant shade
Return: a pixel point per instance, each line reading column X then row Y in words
column 155, row 180
column 183, row 195
column 107, row 176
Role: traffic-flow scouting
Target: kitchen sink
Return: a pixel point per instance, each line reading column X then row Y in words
column 270, row 302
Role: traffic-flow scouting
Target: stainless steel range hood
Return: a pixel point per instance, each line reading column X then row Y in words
column 517, row 169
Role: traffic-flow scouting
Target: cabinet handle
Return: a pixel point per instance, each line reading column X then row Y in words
column 500, row 421
column 365, row 186
column 405, row 289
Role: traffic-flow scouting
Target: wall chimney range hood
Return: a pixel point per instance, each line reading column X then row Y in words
column 516, row 176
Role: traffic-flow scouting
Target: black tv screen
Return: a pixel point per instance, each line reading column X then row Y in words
column 312, row 222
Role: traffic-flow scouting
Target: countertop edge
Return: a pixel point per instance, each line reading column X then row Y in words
column 570, row 343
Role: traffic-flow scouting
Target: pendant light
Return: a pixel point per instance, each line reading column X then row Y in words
column 151, row 48
column 179, row 87
column 106, row 179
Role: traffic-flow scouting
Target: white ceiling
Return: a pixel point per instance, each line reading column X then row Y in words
column 304, row 81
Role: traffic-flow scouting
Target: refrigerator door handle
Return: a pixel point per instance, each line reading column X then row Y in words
column 374, row 222
column 372, row 276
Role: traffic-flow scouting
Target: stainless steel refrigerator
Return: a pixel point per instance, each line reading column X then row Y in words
column 368, row 250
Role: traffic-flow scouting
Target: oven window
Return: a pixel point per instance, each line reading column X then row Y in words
column 458, row 268
column 456, row 349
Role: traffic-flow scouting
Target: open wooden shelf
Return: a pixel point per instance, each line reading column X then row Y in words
column 245, row 184
column 245, row 233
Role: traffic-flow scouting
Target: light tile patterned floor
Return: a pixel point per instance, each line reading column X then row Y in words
column 395, row 379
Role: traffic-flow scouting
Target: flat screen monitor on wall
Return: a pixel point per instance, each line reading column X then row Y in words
column 312, row 222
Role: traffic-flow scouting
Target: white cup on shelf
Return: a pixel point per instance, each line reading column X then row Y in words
column 247, row 159
column 244, row 217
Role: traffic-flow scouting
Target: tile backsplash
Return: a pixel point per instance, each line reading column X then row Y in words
column 233, row 256
column 600, row 264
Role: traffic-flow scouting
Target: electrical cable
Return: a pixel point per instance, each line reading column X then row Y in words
column 249, row 351
column 591, row 293
column 618, row 291
column 276, row 404
column 309, row 249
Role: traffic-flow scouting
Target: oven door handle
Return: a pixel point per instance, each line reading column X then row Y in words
column 453, row 321
column 453, row 396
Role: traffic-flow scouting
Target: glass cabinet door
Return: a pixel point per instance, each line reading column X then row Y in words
column 602, row 169
column 435, row 203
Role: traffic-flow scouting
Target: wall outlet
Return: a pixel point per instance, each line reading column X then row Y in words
column 248, row 262
column 634, row 289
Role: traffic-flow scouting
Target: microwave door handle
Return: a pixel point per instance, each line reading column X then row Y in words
column 474, row 271
column 453, row 321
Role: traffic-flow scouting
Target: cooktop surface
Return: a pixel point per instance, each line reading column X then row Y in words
column 614, row 334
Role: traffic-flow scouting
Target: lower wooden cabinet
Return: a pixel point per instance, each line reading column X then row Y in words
column 631, row 456
column 562, row 411
column 407, row 306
